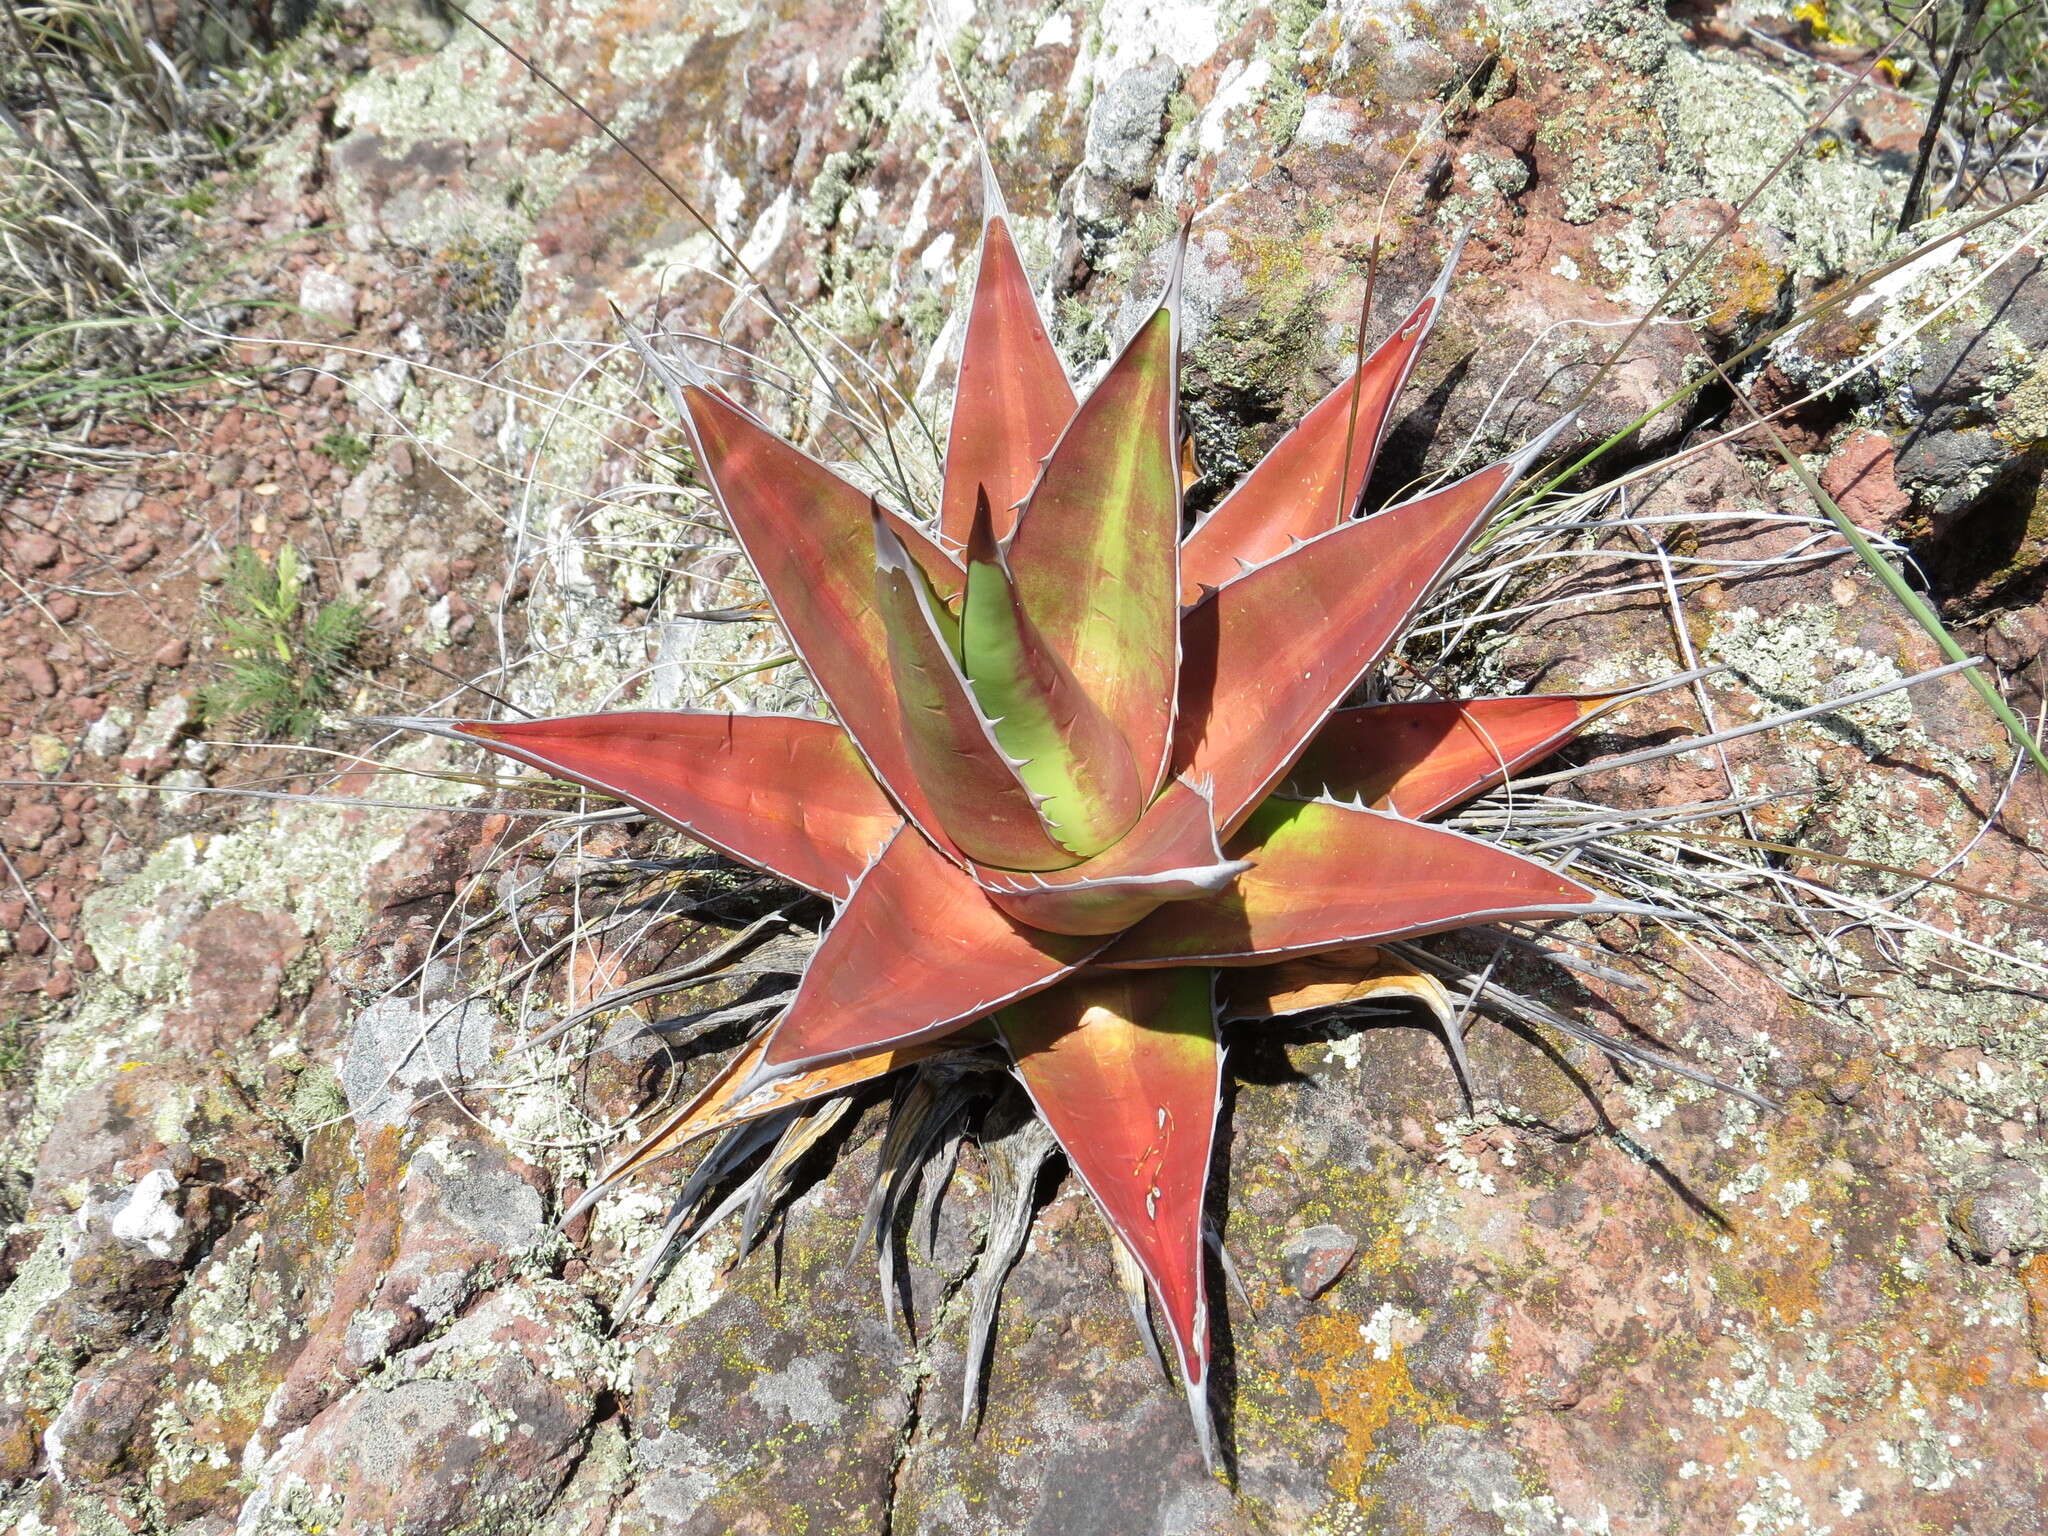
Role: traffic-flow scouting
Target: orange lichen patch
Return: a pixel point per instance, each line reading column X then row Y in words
column 2034, row 1276
column 1791, row 1289
column 1364, row 1385
column 1781, row 1265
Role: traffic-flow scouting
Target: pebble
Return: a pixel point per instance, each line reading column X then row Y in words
column 177, row 780
column 29, row 825
column 38, row 674
column 106, row 736
column 36, row 550
column 328, row 300
column 1314, row 1260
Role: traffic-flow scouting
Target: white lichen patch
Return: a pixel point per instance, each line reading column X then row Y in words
column 799, row 1390
column 1773, row 1406
column 694, row 1282
column 1737, row 125
column 29, row 1368
column 1390, row 1328
column 1456, row 1157
column 221, row 1311
column 1797, row 657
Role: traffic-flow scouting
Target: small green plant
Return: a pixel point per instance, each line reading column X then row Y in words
column 285, row 651
column 345, row 449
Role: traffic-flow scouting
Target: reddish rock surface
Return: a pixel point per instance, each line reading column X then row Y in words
column 281, row 1191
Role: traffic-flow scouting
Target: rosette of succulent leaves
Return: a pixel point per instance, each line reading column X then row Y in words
column 1093, row 786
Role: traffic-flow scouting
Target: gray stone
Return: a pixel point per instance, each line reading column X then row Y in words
column 108, row 735
column 1127, row 120
column 402, row 1049
column 388, row 382
column 2003, row 1212
column 328, row 300
column 178, row 788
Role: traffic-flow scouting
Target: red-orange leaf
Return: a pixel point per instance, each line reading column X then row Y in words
column 1096, row 554
column 788, row 795
column 1325, row 876
column 1012, row 399
column 810, row 539
column 916, row 952
column 1418, row 759
column 1267, row 657
column 1293, row 493
column 1127, row 1071
column 1170, row 855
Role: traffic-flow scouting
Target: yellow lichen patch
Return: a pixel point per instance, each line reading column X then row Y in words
column 1364, row 1385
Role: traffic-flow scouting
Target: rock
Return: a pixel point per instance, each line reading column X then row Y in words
column 153, row 746
column 360, row 569
column 2003, row 1211
column 37, row 551
column 48, row 755
column 128, row 1118
column 1127, row 120
column 103, row 1431
column 117, row 1292
column 425, row 867
column 29, row 824
column 242, row 1319
column 388, row 382
column 328, row 301
column 106, row 504
column 1314, row 1260
column 434, row 1232
column 469, row 1432
column 399, row 1047
column 40, row 676
column 1862, row 480
column 172, row 653
column 179, row 786
column 750, row 1406
column 108, row 735
column 239, row 960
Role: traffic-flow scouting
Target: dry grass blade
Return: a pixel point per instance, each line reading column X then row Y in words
column 1017, row 1146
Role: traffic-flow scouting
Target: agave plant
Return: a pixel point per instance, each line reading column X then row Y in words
column 1090, row 786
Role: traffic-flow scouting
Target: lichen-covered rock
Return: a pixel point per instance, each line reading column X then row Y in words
column 286, row 1260
column 470, row 1432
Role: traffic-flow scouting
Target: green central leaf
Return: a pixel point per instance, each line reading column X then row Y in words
column 1067, row 751
column 986, row 807
column 1096, row 554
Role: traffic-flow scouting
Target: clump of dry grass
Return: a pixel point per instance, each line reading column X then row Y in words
column 115, row 133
